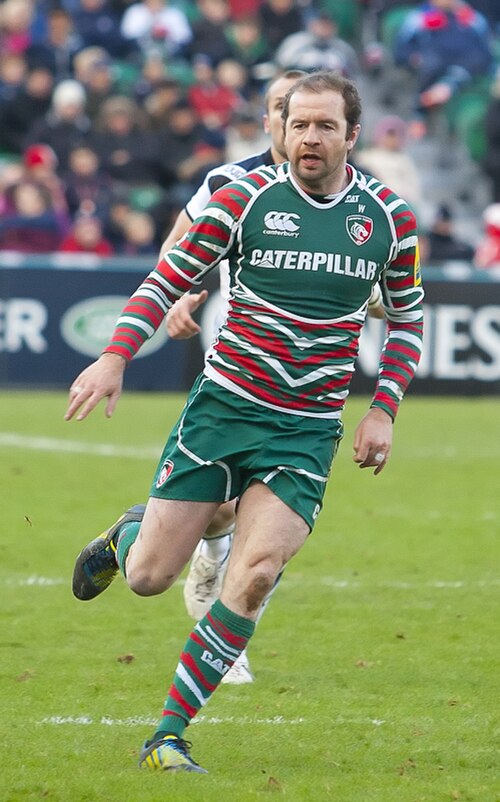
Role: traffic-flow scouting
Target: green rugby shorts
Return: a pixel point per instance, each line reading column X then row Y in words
column 222, row 442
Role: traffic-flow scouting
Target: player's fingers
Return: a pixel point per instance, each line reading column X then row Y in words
column 88, row 404
column 200, row 298
column 111, row 403
column 77, row 396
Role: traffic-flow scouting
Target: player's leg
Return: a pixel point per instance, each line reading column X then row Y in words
column 151, row 544
column 268, row 533
column 208, row 565
column 203, row 583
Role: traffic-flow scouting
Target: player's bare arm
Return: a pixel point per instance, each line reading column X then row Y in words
column 181, row 225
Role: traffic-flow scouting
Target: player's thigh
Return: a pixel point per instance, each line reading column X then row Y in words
column 167, row 538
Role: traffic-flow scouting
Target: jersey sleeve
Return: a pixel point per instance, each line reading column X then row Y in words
column 214, row 180
column 403, row 295
column 182, row 268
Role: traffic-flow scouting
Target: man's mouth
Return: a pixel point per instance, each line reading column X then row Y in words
column 310, row 159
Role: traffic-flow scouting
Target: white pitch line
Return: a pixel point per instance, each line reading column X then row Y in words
column 15, row 440
column 142, row 721
column 38, row 443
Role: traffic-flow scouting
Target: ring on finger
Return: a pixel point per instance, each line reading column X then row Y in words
column 379, row 457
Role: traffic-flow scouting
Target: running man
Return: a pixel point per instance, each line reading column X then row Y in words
column 306, row 243
column 206, row 572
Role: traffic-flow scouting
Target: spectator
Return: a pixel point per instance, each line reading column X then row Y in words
column 140, row 235
column 66, row 124
column 30, row 224
column 491, row 162
column 128, row 151
column 160, row 101
column 87, row 191
column 16, row 19
column 153, row 74
column 40, row 165
column 248, row 43
column 245, row 136
column 99, row 26
column 155, row 25
column 445, row 44
column 209, row 37
column 59, row 47
column 182, row 157
column 13, row 71
column 245, row 8
column 20, row 114
column 442, row 245
column 94, row 69
column 234, row 76
column 318, row 48
column 280, row 19
column 488, row 251
column 114, row 219
column 388, row 160
column 86, row 236
column 213, row 103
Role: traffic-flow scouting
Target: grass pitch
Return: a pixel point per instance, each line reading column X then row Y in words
column 376, row 663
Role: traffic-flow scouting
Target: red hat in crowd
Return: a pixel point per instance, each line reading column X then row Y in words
column 40, row 155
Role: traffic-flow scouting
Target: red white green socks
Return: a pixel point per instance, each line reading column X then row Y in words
column 211, row 649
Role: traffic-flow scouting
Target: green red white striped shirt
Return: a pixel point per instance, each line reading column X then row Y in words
column 301, row 272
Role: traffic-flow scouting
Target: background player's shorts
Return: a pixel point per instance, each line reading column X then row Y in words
column 222, row 442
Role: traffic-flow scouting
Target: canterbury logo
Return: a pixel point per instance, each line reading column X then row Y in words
column 281, row 221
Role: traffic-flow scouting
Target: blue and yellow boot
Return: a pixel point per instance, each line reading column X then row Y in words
column 170, row 753
column 96, row 565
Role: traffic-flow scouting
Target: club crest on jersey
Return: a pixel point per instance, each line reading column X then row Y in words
column 166, row 470
column 359, row 227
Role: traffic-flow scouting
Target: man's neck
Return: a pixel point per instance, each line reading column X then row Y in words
column 332, row 187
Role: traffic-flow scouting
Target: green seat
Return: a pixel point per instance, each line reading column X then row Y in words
column 465, row 114
column 347, row 15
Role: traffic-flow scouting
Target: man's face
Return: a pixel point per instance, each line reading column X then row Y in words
column 316, row 139
column 273, row 124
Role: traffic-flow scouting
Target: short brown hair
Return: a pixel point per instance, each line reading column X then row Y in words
column 324, row 81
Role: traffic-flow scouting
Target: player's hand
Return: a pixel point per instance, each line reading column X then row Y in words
column 102, row 379
column 179, row 322
column 373, row 440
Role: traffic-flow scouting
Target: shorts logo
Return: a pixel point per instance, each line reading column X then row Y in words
column 166, row 470
column 359, row 227
column 281, row 223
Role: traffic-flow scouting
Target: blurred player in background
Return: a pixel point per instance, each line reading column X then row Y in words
column 306, row 242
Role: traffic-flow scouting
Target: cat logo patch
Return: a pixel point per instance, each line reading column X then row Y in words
column 166, row 470
column 359, row 227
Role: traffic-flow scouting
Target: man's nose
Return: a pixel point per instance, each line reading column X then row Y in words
column 311, row 135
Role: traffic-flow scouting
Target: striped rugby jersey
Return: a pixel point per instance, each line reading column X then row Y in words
column 301, row 272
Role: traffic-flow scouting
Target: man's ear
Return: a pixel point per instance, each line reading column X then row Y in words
column 265, row 123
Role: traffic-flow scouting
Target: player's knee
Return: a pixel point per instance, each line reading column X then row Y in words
column 260, row 581
column 145, row 582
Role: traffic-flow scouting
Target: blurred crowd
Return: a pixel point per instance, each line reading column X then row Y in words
column 113, row 111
